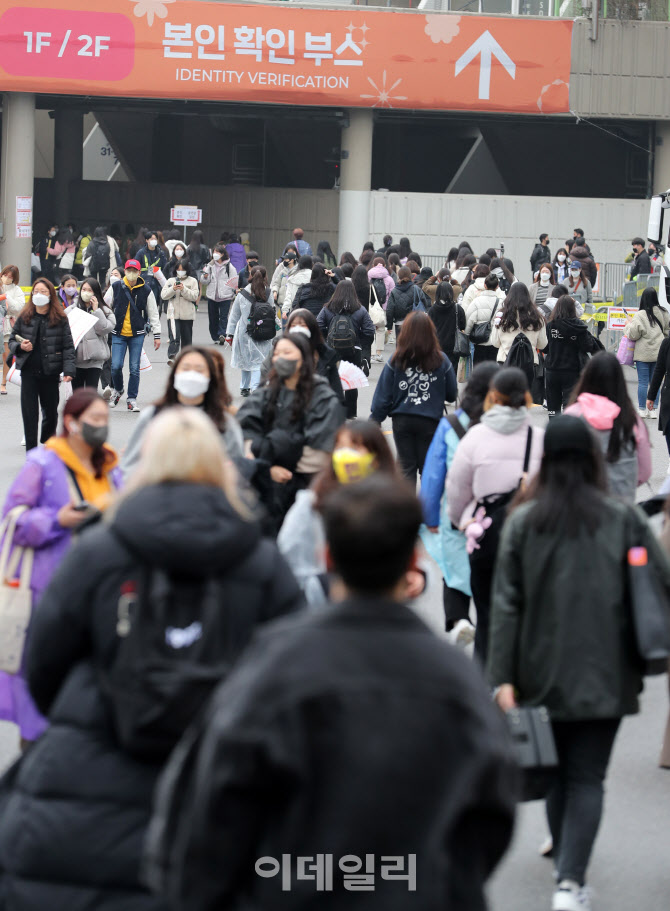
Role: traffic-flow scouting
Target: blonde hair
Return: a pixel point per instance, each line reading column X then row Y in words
column 182, row 444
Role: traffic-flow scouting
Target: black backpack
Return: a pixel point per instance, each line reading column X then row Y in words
column 380, row 290
column 341, row 332
column 175, row 642
column 521, row 355
column 262, row 319
column 99, row 257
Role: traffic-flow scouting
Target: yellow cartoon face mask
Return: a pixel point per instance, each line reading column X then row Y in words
column 352, row 465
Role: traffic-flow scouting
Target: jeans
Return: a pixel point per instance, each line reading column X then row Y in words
column 575, row 802
column 133, row 345
column 645, row 371
column 413, row 435
column 559, row 385
column 36, row 391
column 182, row 336
column 250, row 378
column 218, row 318
column 86, row 376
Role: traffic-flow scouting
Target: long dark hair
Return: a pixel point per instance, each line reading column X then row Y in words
column 56, row 311
column 76, row 405
column 603, row 376
column 405, row 247
column 519, row 312
column 344, row 299
column 568, row 493
column 474, row 394
column 564, row 308
column 259, row 283
column 444, row 294
column 370, row 436
column 94, row 285
column 319, row 283
column 418, row 345
column 217, row 398
column 649, row 300
column 305, row 387
column 361, row 283
column 348, row 257
column 184, row 263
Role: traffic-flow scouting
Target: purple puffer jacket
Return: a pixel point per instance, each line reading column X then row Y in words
column 41, row 485
column 238, row 256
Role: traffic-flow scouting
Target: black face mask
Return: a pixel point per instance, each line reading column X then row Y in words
column 251, row 263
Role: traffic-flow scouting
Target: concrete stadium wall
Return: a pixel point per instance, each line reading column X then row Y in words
column 433, row 222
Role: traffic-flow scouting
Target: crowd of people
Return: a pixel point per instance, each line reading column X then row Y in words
column 219, row 664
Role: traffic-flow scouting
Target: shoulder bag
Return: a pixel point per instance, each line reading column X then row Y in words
column 535, row 749
column 481, row 332
column 16, row 597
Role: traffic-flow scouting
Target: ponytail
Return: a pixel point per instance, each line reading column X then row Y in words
column 259, row 281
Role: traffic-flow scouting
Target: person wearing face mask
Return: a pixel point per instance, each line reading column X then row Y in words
column 289, row 425
column 12, row 302
column 287, row 266
column 68, row 291
column 642, row 264
column 134, row 306
column 41, row 343
column 219, row 276
column 74, row 468
column 540, row 290
column 100, row 256
column 561, row 265
column 578, row 284
column 116, row 275
column 245, row 275
column 541, row 253
column 197, row 380
column 360, row 450
column 151, row 256
column 93, row 349
column 181, row 293
column 46, row 250
column 251, row 328
column 178, row 253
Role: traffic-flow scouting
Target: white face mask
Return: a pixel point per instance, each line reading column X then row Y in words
column 181, row 273
column 86, row 296
column 302, row 329
column 574, row 273
column 560, row 258
column 178, row 253
column 114, row 279
column 544, row 278
column 52, row 233
column 217, row 256
column 41, row 300
column 191, row 384
column 152, row 244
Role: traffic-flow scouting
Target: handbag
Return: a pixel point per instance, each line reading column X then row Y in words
column 481, row 332
column 67, row 260
column 461, row 342
column 651, row 612
column 376, row 311
column 625, row 352
column 534, row 747
column 16, row 599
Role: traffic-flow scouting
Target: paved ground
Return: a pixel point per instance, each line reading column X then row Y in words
column 630, row 868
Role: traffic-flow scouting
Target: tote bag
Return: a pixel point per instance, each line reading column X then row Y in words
column 625, row 352
column 15, row 595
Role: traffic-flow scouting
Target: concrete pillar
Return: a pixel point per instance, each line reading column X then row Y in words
column 68, row 157
column 355, row 177
column 18, row 170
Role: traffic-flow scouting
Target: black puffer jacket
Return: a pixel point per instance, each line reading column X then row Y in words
column 56, row 346
column 313, row 297
column 72, row 820
column 401, row 302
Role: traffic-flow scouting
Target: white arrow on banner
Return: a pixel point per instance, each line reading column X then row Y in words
column 488, row 47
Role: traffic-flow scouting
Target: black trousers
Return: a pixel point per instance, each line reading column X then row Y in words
column 575, row 802
column 484, row 353
column 86, row 376
column 39, row 391
column 558, row 386
column 412, row 435
column 482, row 564
column 106, row 373
column 456, row 606
column 182, row 336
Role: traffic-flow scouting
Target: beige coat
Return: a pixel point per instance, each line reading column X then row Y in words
column 182, row 304
column 647, row 338
column 503, row 340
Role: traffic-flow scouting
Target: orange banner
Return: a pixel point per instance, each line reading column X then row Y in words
column 252, row 53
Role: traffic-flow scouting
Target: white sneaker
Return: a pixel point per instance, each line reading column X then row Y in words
column 132, row 405
column 463, row 634
column 547, row 847
column 643, row 412
column 569, row 896
column 23, row 441
column 107, row 393
column 115, row 399
column 653, row 414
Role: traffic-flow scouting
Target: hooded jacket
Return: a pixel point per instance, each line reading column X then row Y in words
column 11, row 306
column 473, row 291
column 489, row 459
column 633, row 467
column 647, row 337
column 380, row 271
column 413, row 391
column 561, row 623
column 569, row 341
column 295, row 280
column 92, row 798
column 290, row 758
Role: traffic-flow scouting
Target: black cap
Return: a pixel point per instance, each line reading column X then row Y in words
column 567, row 433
